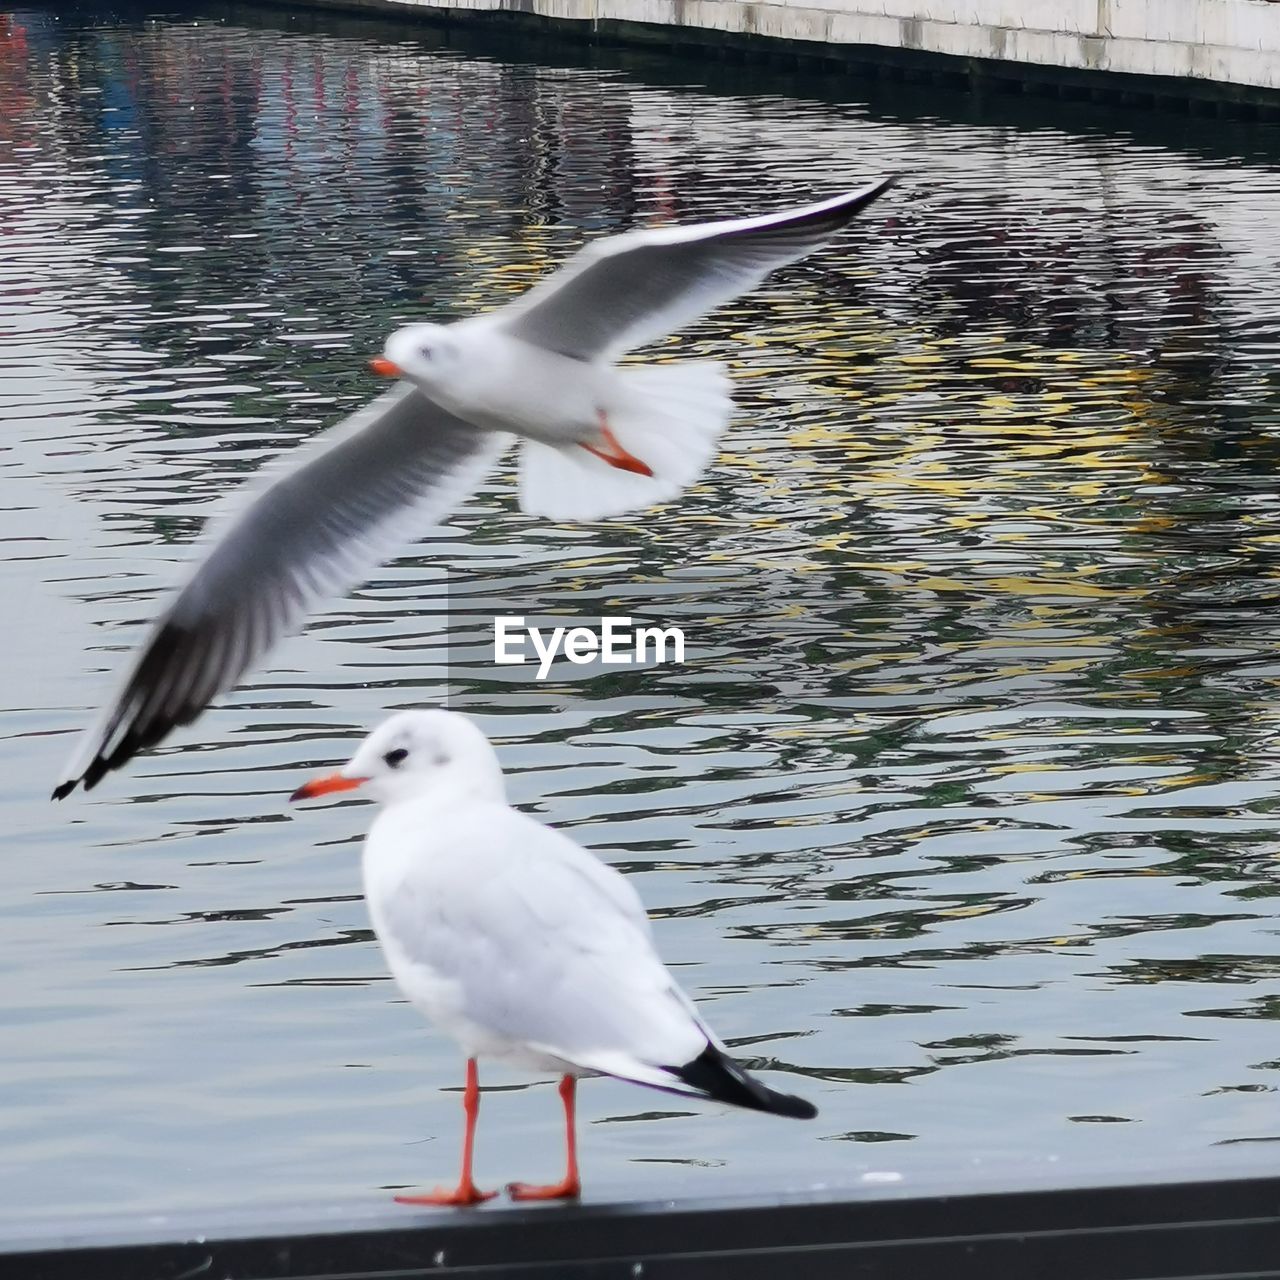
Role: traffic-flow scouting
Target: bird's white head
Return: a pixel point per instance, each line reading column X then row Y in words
column 414, row 755
column 426, row 354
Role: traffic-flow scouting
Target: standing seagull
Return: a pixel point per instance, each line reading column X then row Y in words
column 596, row 440
column 516, row 941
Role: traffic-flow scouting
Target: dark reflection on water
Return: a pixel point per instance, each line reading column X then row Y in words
column 963, row 807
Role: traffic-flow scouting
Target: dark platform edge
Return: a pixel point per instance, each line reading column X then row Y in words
column 1140, row 1231
column 1185, row 95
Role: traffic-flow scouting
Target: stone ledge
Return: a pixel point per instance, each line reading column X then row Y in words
column 1080, row 45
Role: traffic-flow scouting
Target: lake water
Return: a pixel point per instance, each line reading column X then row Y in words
column 961, row 818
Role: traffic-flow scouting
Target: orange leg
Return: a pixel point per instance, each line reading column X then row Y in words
column 466, row 1192
column 569, row 1188
column 613, row 453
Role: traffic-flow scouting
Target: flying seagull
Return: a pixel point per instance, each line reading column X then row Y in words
column 596, row 440
column 516, row 941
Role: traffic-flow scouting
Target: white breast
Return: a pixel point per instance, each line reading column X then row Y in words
column 409, row 866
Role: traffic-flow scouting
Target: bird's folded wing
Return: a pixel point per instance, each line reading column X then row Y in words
column 626, row 290
column 549, row 947
column 347, row 503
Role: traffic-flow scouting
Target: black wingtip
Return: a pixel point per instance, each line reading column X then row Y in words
column 146, row 710
column 873, row 192
column 715, row 1075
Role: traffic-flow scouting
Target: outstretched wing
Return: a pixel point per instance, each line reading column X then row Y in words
column 626, row 290
column 352, row 499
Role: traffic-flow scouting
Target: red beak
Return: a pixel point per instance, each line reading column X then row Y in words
column 322, row 786
column 380, row 364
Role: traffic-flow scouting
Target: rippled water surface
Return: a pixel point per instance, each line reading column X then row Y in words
column 961, row 817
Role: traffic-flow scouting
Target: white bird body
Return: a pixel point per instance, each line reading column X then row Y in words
column 520, row 944
column 501, row 383
column 514, row 940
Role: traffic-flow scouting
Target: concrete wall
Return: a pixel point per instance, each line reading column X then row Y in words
column 1227, row 41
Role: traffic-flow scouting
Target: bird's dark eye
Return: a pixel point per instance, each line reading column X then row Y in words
column 425, row 352
column 396, row 757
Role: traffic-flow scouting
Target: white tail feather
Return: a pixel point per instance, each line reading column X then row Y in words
column 671, row 420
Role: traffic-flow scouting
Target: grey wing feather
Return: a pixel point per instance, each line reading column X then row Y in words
column 626, row 290
column 355, row 496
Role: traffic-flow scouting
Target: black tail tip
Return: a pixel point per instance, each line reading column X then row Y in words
column 796, row 1108
column 64, row 789
column 784, row 1104
column 716, row 1075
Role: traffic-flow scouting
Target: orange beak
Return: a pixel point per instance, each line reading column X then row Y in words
column 380, row 364
column 322, row 787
